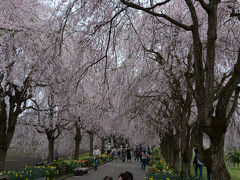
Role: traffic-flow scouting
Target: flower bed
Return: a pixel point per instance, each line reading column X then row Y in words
column 55, row 169
column 158, row 169
column 31, row 173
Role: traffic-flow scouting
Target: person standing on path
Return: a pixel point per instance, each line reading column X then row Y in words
column 124, row 153
column 197, row 164
column 128, row 154
column 108, row 148
column 113, row 153
column 144, row 159
column 96, row 155
column 137, row 154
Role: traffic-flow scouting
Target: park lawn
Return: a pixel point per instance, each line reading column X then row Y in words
column 234, row 172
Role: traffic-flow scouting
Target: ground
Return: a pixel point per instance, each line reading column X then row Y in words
column 20, row 160
column 113, row 169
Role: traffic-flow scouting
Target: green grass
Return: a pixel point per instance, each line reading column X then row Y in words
column 234, row 172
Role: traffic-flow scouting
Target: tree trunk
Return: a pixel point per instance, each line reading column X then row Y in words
column 51, row 149
column 114, row 141
column 176, row 160
column 218, row 167
column 170, row 151
column 186, row 163
column 91, row 137
column 78, row 139
column 186, row 153
column 3, row 154
column 102, row 145
column 7, row 128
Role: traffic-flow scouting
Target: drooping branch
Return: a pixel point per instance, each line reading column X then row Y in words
column 147, row 10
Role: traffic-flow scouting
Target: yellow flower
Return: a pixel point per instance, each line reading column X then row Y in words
column 151, row 178
column 47, row 178
column 26, row 178
column 16, row 174
column 168, row 179
column 21, row 175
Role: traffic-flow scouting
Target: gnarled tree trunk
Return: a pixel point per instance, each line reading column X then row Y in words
column 91, row 138
column 186, row 152
column 3, row 154
column 170, row 151
column 78, row 139
column 102, row 145
column 50, row 148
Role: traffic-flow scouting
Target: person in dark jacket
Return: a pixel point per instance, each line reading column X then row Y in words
column 128, row 154
column 198, row 165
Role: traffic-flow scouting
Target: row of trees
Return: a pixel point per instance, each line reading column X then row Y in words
column 165, row 68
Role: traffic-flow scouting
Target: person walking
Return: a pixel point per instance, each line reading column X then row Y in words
column 96, row 155
column 198, row 165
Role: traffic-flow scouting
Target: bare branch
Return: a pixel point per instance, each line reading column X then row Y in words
column 171, row 20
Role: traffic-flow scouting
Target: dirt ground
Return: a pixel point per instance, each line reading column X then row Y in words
column 20, row 160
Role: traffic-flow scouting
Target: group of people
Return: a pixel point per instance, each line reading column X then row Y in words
column 141, row 153
column 123, row 176
column 125, row 153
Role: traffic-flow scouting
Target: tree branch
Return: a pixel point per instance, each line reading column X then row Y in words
column 204, row 5
column 171, row 20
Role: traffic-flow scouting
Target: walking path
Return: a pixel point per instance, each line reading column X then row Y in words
column 113, row 169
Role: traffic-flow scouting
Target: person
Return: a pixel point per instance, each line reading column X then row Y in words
column 113, row 153
column 208, row 174
column 124, row 152
column 123, row 176
column 149, row 151
column 137, row 154
column 129, row 175
column 56, row 155
column 108, row 178
column 128, row 154
column 198, row 165
column 96, row 155
column 120, row 153
column 144, row 159
column 108, row 148
column 140, row 154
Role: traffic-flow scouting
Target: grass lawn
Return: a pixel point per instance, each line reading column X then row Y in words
column 235, row 173
column 16, row 160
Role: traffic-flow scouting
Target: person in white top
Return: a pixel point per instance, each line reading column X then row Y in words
column 108, row 148
column 96, row 155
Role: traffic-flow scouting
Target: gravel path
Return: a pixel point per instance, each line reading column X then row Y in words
column 113, row 169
